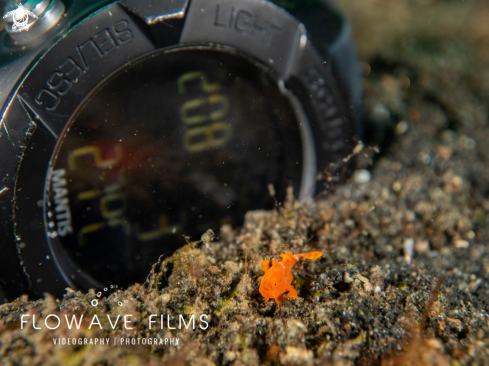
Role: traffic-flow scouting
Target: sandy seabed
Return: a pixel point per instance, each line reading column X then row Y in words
column 412, row 214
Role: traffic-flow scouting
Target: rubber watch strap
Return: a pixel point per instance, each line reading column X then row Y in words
column 331, row 35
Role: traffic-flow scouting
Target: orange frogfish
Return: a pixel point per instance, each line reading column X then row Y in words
column 278, row 277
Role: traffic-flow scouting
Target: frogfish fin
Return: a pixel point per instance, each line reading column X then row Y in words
column 312, row 255
column 292, row 294
column 265, row 265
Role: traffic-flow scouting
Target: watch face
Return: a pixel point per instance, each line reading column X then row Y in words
column 175, row 144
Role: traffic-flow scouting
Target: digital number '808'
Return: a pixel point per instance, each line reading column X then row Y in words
column 204, row 131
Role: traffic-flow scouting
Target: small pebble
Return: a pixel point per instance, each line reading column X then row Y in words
column 230, row 356
column 380, row 113
column 474, row 285
column 424, row 157
column 367, row 286
column 165, row 298
column 297, row 356
column 408, row 247
column 362, row 176
column 444, row 152
column 396, row 186
column 445, row 251
column 213, row 269
column 463, row 244
column 401, row 127
column 347, row 278
column 207, row 237
column 422, row 246
column 361, row 278
column 457, row 182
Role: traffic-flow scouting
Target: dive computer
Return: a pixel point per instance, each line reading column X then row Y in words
column 128, row 125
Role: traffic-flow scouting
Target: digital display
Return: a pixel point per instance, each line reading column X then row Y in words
column 174, row 144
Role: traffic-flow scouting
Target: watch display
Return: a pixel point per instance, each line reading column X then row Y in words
column 175, row 144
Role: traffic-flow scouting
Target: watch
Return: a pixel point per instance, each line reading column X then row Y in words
column 128, row 126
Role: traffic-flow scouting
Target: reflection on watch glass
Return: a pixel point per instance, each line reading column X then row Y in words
column 172, row 145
